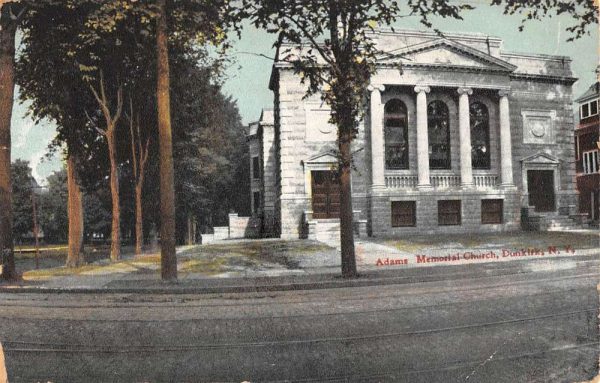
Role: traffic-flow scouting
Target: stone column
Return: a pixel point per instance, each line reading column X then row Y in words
column 505, row 141
column 377, row 144
column 464, row 125
column 422, row 139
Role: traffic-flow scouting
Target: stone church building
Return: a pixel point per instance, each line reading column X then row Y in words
column 465, row 138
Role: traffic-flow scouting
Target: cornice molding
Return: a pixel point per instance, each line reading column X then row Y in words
column 447, row 68
column 544, row 78
column 458, row 48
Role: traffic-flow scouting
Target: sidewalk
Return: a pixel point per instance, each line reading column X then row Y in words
column 272, row 264
column 325, row 278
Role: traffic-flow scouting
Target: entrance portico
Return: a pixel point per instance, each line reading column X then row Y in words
column 452, row 132
column 424, row 180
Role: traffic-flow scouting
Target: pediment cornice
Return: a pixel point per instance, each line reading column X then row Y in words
column 322, row 158
column 541, row 158
column 463, row 57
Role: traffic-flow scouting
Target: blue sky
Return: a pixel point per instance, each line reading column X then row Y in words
column 247, row 79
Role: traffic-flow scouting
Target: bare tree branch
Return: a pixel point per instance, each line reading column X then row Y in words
column 315, row 44
column 101, row 131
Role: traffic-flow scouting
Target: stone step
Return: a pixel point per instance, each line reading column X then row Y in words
column 556, row 223
column 328, row 233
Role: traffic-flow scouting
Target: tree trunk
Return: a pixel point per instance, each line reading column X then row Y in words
column 346, row 225
column 167, row 188
column 194, row 230
column 188, row 240
column 75, row 212
column 115, row 240
column 139, row 233
column 7, row 87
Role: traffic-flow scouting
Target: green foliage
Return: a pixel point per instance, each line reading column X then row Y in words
column 209, row 148
column 65, row 46
column 96, row 213
column 583, row 12
column 52, row 208
column 23, row 186
column 50, row 78
column 329, row 44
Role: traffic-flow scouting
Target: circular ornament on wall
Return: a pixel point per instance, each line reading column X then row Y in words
column 538, row 129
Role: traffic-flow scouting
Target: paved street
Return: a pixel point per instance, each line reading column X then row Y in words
column 526, row 321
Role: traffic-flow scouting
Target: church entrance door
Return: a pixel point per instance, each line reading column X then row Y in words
column 540, row 187
column 325, row 194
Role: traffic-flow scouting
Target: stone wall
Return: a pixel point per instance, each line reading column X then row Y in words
column 243, row 227
column 269, row 192
column 427, row 212
column 293, row 150
column 301, row 133
column 220, row 233
column 555, row 101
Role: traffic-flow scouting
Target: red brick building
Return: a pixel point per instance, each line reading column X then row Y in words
column 587, row 157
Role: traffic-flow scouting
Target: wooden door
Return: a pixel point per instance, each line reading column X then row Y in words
column 540, row 185
column 325, row 194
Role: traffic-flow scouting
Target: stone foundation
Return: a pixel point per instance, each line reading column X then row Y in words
column 427, row 212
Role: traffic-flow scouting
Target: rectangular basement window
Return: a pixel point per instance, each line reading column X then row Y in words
column 404, row 213
column 449, row 213
column 491, row 211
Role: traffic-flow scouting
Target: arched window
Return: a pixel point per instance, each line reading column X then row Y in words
column 480, row 136
column 396, row 135
column 438, row 126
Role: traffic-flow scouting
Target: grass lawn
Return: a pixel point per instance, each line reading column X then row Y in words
column 234, row 255
column 514, row 240
column 208, row 259
column 52, row 259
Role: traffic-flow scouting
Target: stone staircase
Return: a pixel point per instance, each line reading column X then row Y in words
column 562, row 223
column 553, row 221
column 328, row 230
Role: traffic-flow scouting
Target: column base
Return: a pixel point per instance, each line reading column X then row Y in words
column 425, row 187
column 378, row 189
column 467, row 186
column 507, row 186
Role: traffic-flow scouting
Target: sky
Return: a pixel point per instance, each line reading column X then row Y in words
column 247, row 79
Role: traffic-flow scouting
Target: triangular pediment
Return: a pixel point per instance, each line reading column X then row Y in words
column 446, row 53
column 541, row 158
column 322, row 158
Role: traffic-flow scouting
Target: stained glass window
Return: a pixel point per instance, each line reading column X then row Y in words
column 480, row 136
column 396, row 135
column 438, row 126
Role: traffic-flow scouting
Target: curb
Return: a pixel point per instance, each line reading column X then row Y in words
column 305, row 282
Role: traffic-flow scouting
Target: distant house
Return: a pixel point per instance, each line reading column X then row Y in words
column 467, row 138
column 587, row 154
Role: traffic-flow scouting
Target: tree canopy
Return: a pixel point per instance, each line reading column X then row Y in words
column 117, row 38
column 23, row 187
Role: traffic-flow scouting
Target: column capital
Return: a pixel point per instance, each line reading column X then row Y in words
column 374, row 87
column 464, row 90
column 503, row 92
column 422, row 88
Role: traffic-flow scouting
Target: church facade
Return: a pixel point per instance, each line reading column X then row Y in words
column 464, row 138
